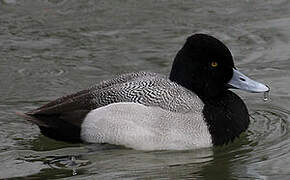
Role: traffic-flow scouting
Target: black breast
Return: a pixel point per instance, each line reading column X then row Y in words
column 227, row 117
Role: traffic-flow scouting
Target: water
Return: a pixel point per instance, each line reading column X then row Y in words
column 49, row 48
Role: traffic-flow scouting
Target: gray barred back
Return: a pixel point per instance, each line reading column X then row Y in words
column 150, row 89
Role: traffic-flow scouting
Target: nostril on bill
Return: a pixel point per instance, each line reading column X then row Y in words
column 242, row 79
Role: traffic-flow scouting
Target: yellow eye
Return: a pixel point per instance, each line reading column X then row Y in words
column 214, row 64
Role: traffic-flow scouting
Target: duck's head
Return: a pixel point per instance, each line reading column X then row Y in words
column 205, row 66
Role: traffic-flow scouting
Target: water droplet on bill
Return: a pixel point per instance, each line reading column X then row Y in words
column 266, row 96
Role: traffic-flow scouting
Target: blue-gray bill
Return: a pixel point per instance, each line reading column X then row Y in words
column 241, row 81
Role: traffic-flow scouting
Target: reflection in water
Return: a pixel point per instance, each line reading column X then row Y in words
column 56, row 47
column 122, row 163
column 156, row 164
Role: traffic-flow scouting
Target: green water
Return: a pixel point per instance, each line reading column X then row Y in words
column 49, row 48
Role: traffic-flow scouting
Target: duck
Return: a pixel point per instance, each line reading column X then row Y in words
column 191, row 108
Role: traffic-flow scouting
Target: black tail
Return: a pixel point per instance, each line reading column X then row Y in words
column 58, row 127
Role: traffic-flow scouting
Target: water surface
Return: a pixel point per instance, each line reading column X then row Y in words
column 49, row 48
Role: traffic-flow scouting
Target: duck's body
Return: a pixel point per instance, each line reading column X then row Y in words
column 154, row 101
column 190, row 109
column 145, row 127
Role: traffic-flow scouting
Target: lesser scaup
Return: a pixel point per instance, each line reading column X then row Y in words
column 191, row 108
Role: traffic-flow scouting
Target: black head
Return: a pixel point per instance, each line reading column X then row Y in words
column 204, row 65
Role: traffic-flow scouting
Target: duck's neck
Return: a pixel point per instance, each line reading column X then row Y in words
column 227, row 117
